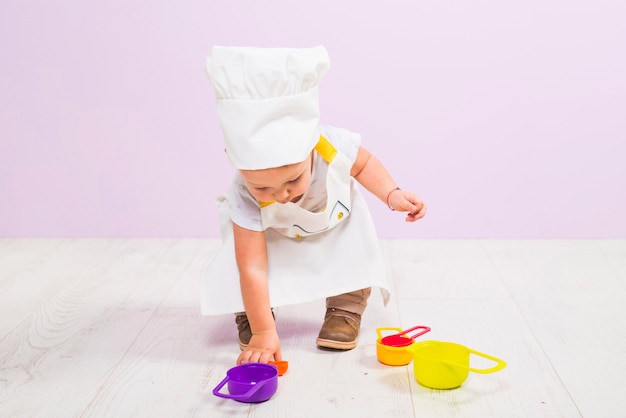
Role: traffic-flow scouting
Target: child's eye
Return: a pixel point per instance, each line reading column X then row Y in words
column 294, row 181
column 261, row 189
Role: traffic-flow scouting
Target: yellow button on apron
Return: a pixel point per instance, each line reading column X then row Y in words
column 340, row 215
column 298, row 236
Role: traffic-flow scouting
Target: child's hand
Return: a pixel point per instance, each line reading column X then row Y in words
column 403, row 201
column 261, row 349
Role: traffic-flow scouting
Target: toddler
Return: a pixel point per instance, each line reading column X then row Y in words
column 294, row 225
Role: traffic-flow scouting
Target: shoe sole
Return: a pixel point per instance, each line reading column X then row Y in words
column 336, row 345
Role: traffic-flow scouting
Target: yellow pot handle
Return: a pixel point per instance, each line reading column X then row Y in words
column 380, row 334
column 501, row 364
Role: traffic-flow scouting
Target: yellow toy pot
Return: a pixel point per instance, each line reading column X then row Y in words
column 392, row 349
column 446, row 365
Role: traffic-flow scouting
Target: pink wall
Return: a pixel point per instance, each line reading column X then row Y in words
column 507, row 117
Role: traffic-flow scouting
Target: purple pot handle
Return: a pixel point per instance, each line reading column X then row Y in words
column 242, row 398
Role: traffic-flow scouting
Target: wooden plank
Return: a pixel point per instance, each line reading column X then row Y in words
column 615, row 253
column 55, row 359
column 573, row 301
column 528, row 386
column 112, row 328
column 32, row 270
column 167, row 369
column 444, row 269
column 319, row 383
column 453, row 287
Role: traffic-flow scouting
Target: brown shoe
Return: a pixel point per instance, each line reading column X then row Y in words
column 340, row 330
column 245, row 332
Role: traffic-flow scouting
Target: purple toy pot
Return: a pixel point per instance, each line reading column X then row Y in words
column 249, row 382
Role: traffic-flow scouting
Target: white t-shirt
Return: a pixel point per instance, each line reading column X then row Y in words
column 244, row 209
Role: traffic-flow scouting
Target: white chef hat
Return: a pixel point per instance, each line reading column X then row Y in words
column 267, row 102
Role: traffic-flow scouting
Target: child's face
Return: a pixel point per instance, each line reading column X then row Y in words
column 281, row 184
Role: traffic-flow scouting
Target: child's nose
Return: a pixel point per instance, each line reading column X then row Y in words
column 282, row 195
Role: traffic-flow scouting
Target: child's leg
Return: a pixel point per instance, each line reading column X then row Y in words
column 343, row 320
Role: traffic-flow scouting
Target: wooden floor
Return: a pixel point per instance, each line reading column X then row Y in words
column 111, row 328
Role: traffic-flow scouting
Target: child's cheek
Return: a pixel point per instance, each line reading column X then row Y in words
column 258, row 195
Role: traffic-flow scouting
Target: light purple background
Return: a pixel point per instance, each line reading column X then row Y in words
column 507, row 117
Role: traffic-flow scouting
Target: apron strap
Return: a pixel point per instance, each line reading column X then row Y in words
column 325, row 149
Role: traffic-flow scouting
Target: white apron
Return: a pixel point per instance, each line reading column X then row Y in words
column 310, row 255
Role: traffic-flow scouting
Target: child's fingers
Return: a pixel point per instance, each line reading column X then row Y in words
column 413, row 204
column 256, row 356
column 243, row 357
column 417, row 214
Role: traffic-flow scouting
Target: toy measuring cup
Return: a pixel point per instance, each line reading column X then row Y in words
column 446, row 365
column 281, row 366
column 391, row 350
column 249, row 382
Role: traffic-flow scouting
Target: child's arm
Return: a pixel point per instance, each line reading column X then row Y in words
column 251, row 254
column 370, row 173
